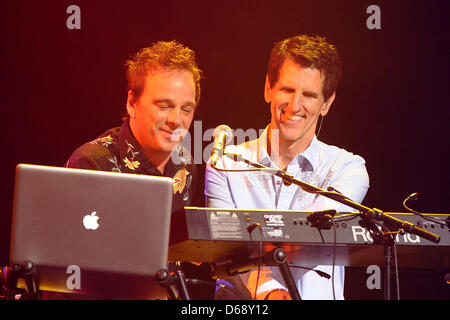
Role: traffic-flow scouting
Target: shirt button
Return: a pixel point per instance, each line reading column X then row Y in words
column 278, row 182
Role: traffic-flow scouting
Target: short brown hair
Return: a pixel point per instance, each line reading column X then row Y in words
column 170, row 55
column 309, row 52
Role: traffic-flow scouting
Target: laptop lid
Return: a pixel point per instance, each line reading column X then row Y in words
column 92, row 232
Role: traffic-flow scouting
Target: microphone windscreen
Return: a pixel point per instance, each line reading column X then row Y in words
column 225, row 129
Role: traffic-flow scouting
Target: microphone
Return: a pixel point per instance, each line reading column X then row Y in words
column 222, row 136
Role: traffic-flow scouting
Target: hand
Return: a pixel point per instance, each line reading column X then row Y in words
column 278, row 294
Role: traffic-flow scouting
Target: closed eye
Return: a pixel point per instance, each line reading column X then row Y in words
column 163, row 104
column 310, row 94
column 187, row 109
column 287, row 89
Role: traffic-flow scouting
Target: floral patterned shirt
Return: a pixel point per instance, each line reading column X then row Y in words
column 117, row 150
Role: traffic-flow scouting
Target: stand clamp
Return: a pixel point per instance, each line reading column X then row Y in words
column 11, row 276
column 168, row 280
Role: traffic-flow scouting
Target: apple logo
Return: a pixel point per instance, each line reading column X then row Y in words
column 90, row 221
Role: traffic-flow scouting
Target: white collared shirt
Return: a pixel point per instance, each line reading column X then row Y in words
column 320, row 165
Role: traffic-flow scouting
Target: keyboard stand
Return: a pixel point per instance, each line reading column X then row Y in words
column 279, row 257
column 241, row 264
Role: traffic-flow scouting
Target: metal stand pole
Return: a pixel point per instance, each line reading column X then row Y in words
column 167, row 280
column 387, row 271
column 280, row 256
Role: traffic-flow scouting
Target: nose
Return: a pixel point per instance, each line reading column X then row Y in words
column 296, row 102
column 174, row 118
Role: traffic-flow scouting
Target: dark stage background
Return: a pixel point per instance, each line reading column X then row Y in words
column 61, row 88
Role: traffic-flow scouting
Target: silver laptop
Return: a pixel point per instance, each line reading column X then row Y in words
column 92, row 232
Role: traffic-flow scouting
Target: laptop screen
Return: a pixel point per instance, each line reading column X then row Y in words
column 92, row 232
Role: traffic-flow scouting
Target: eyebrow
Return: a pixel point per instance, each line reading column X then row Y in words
column 307, row 93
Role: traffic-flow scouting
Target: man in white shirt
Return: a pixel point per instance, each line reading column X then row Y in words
column 301, row 82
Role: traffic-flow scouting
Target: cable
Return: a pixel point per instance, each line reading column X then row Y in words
column 250, row 229
column 271, row 170
column 334, row 257
column 245, row 170
column 397, row 280
column 319, row 272
column 320, row 126
column 415, row 196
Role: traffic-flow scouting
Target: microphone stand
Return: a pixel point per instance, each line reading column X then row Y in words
column 368, row 215
column 168, row 280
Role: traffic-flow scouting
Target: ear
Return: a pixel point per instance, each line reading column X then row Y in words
column 131, row 104
column 267, row 90
column 326, row 106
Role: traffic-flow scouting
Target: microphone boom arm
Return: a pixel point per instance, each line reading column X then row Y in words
column 367, row 214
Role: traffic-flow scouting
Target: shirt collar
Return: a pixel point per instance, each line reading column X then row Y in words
column 135, row 161
column 310, row 155
column 131, row 155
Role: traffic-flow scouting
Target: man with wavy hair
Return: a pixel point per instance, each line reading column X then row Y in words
column 163, row 94
column 301, row 82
